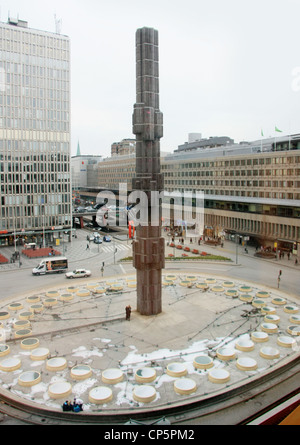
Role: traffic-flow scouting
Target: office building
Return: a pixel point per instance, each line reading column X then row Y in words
column 250, row 189
column 35, row 192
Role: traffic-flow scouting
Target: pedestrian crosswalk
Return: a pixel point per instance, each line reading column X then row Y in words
column 109, row 248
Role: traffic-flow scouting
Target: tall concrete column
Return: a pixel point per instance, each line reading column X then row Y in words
column 149, row 247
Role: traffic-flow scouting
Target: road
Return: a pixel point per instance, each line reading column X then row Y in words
column 265, row 272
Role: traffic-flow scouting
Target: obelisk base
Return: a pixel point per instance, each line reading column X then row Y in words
column 149, row 286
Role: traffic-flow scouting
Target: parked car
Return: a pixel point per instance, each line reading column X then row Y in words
column 98, row 206
column 89, row 209
column 78, row 273
column 97, row 240
column 107, row 239
column 90, row 225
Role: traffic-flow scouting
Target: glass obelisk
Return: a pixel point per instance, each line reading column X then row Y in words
column 148, row 247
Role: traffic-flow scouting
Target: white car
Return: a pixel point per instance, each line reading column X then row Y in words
column 78, row 273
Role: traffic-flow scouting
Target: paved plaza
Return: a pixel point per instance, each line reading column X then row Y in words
column 208, row 339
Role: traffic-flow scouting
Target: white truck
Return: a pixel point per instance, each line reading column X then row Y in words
column 51, row 265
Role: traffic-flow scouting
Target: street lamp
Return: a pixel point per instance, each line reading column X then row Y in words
column 237, row 237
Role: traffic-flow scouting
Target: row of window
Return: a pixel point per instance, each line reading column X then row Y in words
column 16, row 189
column 265, row 172
column 43, row 39
column 46, row 149
column 242, row 193
column 255, row 183
column 232, row 163
column 34, row 124
column 32, row 221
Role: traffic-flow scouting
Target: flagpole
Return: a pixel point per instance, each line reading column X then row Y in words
column 280, row 131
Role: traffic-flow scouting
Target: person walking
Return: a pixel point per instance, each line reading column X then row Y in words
column 128, row 312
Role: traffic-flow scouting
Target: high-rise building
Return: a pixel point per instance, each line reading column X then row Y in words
column 35, row 193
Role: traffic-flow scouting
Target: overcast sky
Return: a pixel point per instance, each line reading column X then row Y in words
column 227, row 67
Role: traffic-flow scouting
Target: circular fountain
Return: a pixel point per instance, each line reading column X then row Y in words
column 259, row 337
column 244, row 345
column 50, row 302
column 10, row 364
column 23, row 333
column 100, row 395
column 145, row 375
column 4, row 315
column 30, row 343
column 4, row 350
column 33, row 299
column 21, row 324
column 246, row 364
column 29, row 378
column 66, row 297
column 185, row 386
column 39, row 354
column 272, row 318
column 203, row 362
column 112, row 376
column 286, row 342
column 81, row 372
column 83, row 293
column 269, row 353
column 269, row 328
column 60, row 390
column 218, row 375
column 26, row 315
column 176, row 369
column 15, row 307
column 226, row 354
column 56, row 364
column 144, row 394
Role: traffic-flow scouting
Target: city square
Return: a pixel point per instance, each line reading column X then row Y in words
column 229, row 323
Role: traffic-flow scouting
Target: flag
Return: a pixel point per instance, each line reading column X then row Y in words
column 277, row 129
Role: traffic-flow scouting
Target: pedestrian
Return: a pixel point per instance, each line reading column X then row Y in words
column 65, row 406
column 80, row 404
column 296, row 262
column 77, row 405
column 278, row 281
column 128, row 312
column 87, row 246
column 280, row 273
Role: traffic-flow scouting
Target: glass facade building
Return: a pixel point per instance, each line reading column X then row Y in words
column 35, row 193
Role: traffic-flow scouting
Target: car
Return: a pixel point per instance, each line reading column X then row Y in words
column 107, row 239
column 90, row 237
column 89, row 209
column 97, row 240
column 90, row 225
column 78, row 273
column 98, row 206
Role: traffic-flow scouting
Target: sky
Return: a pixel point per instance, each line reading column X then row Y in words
column 227, row 68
